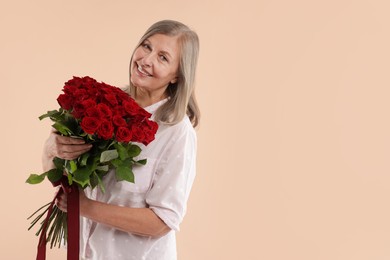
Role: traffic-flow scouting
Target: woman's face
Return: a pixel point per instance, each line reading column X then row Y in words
column 155, row 63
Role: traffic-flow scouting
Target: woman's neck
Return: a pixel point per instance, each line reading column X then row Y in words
column 145, row 99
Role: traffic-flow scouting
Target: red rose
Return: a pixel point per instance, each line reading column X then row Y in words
column 76, row 82
column 80, row 107
column 131, row 107
column 81, row 94
column 122, row 95
column 78, row 110
column 143, row 112
column 106, row 130
column 69, row 89
column 149, row 137
column 105, row 110
column 123, row 134
column 65, row 101
column 88, row 103
column 106, row 88
column 92, row 92
column 93, row 112
column 88, row 81
column 118, row 120
column 150, row 128
column 111, row 99
column 90, row 124
column 137, row 134
column 151, row 125
column 120, row 111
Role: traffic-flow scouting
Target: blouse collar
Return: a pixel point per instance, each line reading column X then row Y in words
column 153, row 107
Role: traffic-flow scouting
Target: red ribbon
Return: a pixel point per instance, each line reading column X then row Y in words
column 73, row 221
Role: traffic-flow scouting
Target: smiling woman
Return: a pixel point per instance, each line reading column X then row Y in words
column 138, row 220
column 179, row 46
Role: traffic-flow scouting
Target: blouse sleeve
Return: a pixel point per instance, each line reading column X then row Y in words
column 174, row 178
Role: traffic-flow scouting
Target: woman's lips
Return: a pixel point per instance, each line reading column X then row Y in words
column 142, row 72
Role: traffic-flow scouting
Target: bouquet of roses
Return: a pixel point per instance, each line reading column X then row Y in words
column 111, row 121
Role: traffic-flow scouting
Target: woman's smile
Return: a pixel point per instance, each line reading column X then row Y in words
column 141, row 72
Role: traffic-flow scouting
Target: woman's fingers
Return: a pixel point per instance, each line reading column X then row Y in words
column 65, row 147
column 74, row 148
column 62, row 202
column 70, row 152
column 68, row 140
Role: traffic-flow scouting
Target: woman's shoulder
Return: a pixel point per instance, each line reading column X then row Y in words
column 183, row 127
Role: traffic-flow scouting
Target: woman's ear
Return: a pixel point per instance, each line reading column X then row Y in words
column 174, row 80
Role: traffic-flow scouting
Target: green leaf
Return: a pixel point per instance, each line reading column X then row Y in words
column 101, row 185
column 70, row 179
column 122, row 151
column 142, row 162
column 59, row 163
column 50, row 114
column 73, row 165
column 62, row 129
column 35, row 178
column 70, row 122
column 93, row 181
column 110, row 144
column 133, row 150
column 60, row 116
column 84, row 159
column 124, row 173
column 54, row 175
column 108, row 155
column 82, row 174
column 103, row 168
column 116, row 162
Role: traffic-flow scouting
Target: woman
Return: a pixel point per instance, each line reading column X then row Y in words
column 138, row 220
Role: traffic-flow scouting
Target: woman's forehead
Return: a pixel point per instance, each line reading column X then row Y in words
column 166, row 43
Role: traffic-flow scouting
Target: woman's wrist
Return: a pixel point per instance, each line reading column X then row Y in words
column 85, row 204
column 47, row 162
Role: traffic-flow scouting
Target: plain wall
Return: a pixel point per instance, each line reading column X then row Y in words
column 294, row 146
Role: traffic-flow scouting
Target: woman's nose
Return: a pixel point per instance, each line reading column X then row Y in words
column 147, row 60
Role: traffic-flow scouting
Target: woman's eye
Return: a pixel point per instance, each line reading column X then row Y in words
column 162, row 57
column 146, row 46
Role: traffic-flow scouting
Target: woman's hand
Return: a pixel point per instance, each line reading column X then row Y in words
column 63, row 147
column 62, row 201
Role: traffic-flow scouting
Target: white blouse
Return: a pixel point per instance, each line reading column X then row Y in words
column 163, row 185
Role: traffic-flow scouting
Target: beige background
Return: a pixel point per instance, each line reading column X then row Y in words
column 294, row 139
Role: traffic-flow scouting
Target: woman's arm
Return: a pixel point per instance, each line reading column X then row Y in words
column 138, row 221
